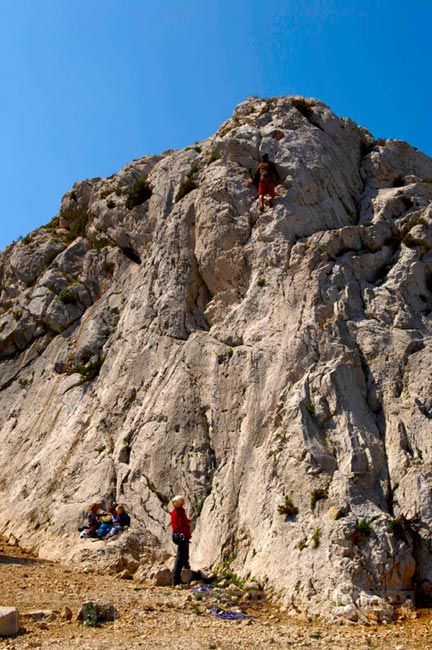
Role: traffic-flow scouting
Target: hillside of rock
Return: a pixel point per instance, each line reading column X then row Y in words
column 162, row 336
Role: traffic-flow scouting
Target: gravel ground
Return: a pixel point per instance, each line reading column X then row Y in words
column 164, row 617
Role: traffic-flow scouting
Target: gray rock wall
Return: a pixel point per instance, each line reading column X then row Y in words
column 185, row 342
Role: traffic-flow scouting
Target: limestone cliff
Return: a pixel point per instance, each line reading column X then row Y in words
column 161, row 335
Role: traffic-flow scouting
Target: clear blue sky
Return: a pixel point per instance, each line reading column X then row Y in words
column 89, row 85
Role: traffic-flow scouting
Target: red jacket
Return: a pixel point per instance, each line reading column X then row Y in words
column 180, row 523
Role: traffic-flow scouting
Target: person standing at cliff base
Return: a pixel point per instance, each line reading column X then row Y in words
column 266, row 177
column 181, row 535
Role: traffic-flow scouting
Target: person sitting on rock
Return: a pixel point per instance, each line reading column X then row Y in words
column 107, row 522
column 120, row 520
column 94, row 512
column 266, row 177
column 181, row 534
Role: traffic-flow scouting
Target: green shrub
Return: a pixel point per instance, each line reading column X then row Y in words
column 362, row 530
column 188, row 185
column 140, row 192
column 316, row 537
column 68, row 296
column 317, row 495
column 54, row 223
column 16, row 314
column 261, row 282
column 101, row 243
column 364, row 527
column 213, row 158
column 111, row 204
column 398, row 526
column 76, row 230
column 310, row 408
column 288, row 509
column 89, row 371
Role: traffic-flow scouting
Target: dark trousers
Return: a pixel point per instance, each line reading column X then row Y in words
column 182, row 557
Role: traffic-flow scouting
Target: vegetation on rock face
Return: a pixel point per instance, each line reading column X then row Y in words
column 288, row 509
column 138, row 194
column 361, row 532
column 316, row 537
column 68, row 296
column 398, row 526
column 189, row 184
column 76, row 230
column 317, row 495
column 87, row 371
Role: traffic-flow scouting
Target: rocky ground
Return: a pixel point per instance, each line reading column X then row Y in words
column 49, row 597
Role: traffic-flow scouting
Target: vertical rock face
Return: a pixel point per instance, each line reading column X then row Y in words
column 163, row 336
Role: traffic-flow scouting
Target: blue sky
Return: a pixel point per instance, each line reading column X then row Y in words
column 89, row 85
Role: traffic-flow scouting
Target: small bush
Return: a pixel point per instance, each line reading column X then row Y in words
column 88, row 372
column 234, row 579
column 139, row 193
column 16, row 314
column 111, row 204
column 363, row 527
column 362, row 530
column 199, row 506
column 398, row 526
column 68, row 296
column 188, row 185
column 316, row 537
column 288, row 509
column 310, row 408
column 54, row 223
column 76, row 230
column 101, row 243
column 318, row 495
column 261, row 282
column 213, row 158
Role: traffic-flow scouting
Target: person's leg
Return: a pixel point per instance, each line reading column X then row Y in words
column 176, row 575
column 271, row 192
column 182, row 560
column 261, row 195
column 186, row 556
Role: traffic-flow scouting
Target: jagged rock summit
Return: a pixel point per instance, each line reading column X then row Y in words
column 162, row 336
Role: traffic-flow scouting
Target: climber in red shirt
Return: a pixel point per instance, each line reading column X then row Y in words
column 266, row 177
column 181, row 534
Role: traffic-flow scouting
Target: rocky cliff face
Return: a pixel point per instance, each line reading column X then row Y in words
column 161, row 336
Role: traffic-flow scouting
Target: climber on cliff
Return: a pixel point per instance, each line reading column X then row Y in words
column 266, row 177
column 181, row 534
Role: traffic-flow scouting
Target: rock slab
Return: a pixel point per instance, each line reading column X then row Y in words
column 9, row 621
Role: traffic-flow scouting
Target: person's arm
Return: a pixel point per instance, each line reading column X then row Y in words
column 254, row 179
